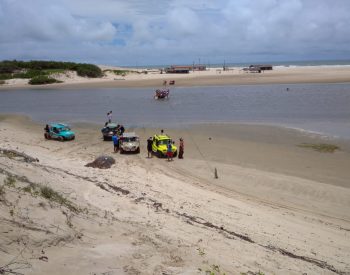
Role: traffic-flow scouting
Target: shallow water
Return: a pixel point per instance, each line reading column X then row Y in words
column 323, row 108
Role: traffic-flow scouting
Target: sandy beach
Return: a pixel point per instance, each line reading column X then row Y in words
column 210, row 77
column 276, row 208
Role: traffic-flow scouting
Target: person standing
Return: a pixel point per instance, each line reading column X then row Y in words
column 115, row 142
column 170, row 151
column 109, row 116
column 149, row 147
column 181, row 149
column 122, row 130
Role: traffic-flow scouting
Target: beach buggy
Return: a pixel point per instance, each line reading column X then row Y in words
column 160, row 144
column 109, row 129
column 58, row 131
column 129, row 142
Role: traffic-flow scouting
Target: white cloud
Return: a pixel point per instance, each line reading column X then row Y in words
column 169, row 31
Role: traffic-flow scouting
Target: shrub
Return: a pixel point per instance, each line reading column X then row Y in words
column 323, row 147
column 42, row 79
column 28, row 74
column 5, row 76
column 2, row 82
column 88, row 70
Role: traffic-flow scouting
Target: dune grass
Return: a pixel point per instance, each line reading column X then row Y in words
column 321, row 147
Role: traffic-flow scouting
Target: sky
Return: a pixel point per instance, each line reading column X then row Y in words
column 157, row 32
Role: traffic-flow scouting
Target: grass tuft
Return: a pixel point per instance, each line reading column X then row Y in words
column 10, row 181
column 322, row 147
column 51, row 195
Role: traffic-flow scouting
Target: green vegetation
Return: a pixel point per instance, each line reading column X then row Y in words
column 10, row 181
column 36, row 69
column 200, row 251
column 2, row 82
column 48, row 193
column 2, row 191
column 322, row 147
column 51, row 195
column 43, row 79
column 212, row 270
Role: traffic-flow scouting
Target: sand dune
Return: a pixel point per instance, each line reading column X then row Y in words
column 210, row 77
column 148, row 216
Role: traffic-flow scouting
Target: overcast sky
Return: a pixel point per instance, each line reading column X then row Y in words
column 140, row 32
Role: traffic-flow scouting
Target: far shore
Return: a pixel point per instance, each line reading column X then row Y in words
column 210, row 77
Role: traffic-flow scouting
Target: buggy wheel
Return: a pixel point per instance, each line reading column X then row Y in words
column 61, row 138
column 121, row 151
column 47, row 136
column 138, row 151
column 175, row 154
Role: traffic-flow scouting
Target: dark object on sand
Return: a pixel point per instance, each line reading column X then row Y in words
column 216, row 174
column 13, row 154
column 102, row 162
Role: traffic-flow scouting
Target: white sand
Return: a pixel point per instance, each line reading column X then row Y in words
column 176, row 219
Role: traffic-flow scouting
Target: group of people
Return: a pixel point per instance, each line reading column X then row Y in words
column 169, row 153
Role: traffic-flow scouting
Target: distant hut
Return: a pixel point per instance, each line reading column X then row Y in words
column 262, row 67
column 178, row 69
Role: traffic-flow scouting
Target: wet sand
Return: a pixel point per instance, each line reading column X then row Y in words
column 276, row 207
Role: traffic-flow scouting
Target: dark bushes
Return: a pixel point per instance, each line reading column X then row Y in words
column 88, row 70
column 12, row 69
column 42, row 79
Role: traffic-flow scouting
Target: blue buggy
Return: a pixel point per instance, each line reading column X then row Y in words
column 58, row 131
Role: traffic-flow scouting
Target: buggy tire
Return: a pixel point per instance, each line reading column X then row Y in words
column 61, row 138
column 138, row 151
column 175, row 154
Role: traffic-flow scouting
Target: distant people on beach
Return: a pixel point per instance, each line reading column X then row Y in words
column 115, row 142
column 149, row 147
column 162, row 132
column 181, row 149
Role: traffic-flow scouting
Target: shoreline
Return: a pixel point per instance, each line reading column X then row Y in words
column 211, row 77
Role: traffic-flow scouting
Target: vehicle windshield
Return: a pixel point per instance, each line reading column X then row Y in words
column 64, row 129
column 163, row 142
column 129, row 139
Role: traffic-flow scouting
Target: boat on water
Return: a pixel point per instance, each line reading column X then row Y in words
column 162, row 93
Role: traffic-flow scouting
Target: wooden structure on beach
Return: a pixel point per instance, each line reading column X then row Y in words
column 184, row 69
column 262, row 67
column 178, row 69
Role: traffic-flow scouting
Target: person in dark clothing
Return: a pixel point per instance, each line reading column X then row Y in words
column 181, row 149
column 122, row 130
column 149, row 147
column 47, row 129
